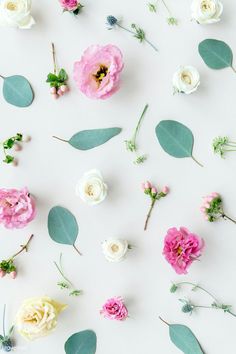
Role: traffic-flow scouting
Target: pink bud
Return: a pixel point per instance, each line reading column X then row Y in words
column 208, row 198
column 203, row 210
column 17, row 147
column 206, row 205
column 55, row 96
column 13, row 274
column 143, row 186
column 206, row 217
column 60, row 92
column 53, row 90
column 154, row 191
column 215, row 194
column 27, row 138
column 165, row 190
column 15, row 162
column 147, row 185
column 64, row 88
column 2, row 273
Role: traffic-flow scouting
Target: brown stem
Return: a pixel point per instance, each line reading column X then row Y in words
column 149, row 214
column 229, row 218
column 2, row 77
column 54, row 59
column 77, row 250
column 164, row 321
column 56, row 137
column 23, row 248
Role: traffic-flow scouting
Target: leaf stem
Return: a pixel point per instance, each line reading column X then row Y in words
column 164, row 321
column 197, row 161
column 54, row 59
column 233, row 68
column 56, row 137
column 23, row 248
column 149, row 214
column 77, row 250
column 2, row 77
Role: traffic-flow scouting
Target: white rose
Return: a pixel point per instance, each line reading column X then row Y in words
column 206, row 11
column 186, row 80
column 91, row 188
column 37, row 317
column 16, row 13
column 115, row 249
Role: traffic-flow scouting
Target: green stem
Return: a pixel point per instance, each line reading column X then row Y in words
column 3, row 320
column 61, row 272
column 224, row 216
column 229, row 150
column 231, row 313
column 134, row 33
column 56, row 137
column 54, row 59
column 197, row 161
column 198, row 287
column 139, row 124
column 2, row 77
column 149, row 214
column 167, row 8
column 204, row 307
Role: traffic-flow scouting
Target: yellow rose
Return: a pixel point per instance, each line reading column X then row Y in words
column 37, row 317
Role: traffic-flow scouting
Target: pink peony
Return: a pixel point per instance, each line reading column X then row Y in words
column 115, row 309
column 181, row 248
column 17, row 208
column 97, row 74
column 69, row 5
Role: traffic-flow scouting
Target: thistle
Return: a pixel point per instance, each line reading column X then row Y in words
column 136, row 31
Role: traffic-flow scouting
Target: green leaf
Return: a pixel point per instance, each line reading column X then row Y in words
column 84, row 342
column 8, row 144
column 17, row 91
column 89, row 139
column 8, row 159
column 216, row 54
column 62, row 226
column 175, row 139
column 62, row 75
column 52, row 78
column 184, row 339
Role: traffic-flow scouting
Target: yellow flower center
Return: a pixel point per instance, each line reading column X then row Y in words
column 186, row 77
column 101, row 73
column 179, row 251
column 115, row 248
column 89, row 190
column 12, row 6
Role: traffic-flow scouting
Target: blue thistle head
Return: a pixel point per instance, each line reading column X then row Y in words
column 111, row 21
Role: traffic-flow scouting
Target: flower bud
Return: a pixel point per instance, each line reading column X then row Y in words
column 174, row 288
column 55, row 95
column 13, row 274
column 64, row 88
column 165, row 190
column 53, row 90
column 60, row 92
column 2, row 273
column 27, row 138
column 147, row 185
column 17, row 147
column 154, row 191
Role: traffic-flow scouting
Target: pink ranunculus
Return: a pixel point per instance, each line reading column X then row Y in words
column 69, row 5
column 115, row 309
column 97, row 74
column 17, row 208
column 181, row 248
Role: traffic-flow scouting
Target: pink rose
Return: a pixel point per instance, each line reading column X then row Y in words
column 97, row 74
column 17, row 208
column 69, row 5
column 181, row 248
column 115, row 309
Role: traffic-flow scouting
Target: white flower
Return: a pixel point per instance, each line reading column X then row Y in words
column 115, row 249
column 206, row 11
column 91, row 188
column 16, row 13
column 186, row 79
column 37, row 317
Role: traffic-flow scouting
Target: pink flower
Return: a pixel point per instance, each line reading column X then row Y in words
column 115, row 309
column 165, row 190
column 17, row 208
column 69, row 5
column 97, row 74
column 181, row 248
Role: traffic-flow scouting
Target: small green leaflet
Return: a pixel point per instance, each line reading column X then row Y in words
column 89, row 139
column 17, row 91
column 84, row 342
column 62, row 226
column 216, row 54
column 175, row 139
column 184, row 339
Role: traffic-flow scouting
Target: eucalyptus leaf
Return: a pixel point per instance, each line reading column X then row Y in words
column 175, row 139
column 89, row 139
column 184, row 339
column 216, row 54
column 62, row 226
column 84, row 342
column 17, row 91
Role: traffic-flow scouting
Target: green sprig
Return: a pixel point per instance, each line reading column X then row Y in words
column 222, row 145
column 8, row 144
column 172, row 21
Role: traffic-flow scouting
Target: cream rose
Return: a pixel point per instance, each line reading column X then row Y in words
column 115, row 250
column 16, row 13
column 37, row 317
column 186, row 80
column 206, row 11
column 91, row 187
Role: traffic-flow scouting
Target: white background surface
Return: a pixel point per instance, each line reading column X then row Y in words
column 51, row 169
